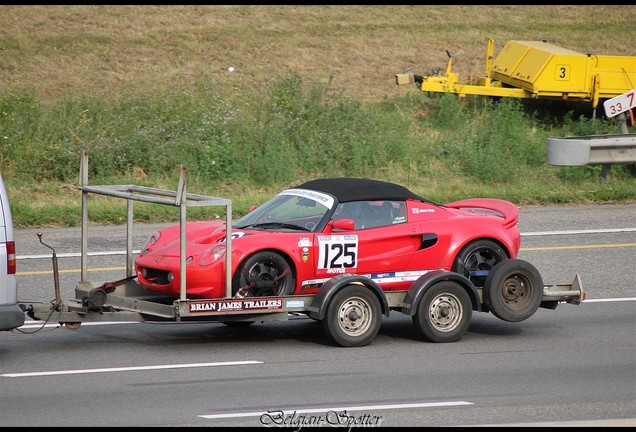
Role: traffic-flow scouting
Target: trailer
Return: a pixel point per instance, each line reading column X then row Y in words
column 537, row 70
column 350, row 307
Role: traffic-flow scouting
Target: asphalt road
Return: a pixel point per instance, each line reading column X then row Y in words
column 573, row 366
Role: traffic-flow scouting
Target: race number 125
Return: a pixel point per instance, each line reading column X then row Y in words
column 338, row 252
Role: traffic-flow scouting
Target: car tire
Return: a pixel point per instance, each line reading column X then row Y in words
column 513, row 290
column 265, row 273
column 444, row 313
column 353, row 317
column 477, row 258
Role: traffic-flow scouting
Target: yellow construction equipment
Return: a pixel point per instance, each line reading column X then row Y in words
column 538, row 70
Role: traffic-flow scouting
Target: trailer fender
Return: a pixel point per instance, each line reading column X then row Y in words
column 321, row 300
column 419, row 287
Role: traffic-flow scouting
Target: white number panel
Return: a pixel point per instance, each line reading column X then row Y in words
column 337, row 252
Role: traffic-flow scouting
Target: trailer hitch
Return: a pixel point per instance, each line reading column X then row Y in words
column 96, row 297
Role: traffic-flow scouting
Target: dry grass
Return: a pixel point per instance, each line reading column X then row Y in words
column 63, row 51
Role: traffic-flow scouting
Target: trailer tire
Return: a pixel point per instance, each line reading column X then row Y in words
column 513, row 290
column 444, row 313
column 353, row 316
column 265, row 273
column 72, row 325
column 477, row 257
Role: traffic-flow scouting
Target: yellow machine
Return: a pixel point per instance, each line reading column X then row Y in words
column 538, row 70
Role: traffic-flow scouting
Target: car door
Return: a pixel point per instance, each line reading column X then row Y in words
column 381, row 249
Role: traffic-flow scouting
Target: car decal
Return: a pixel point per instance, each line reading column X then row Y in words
column 379, row 278
column 337, row 253
column 294, row 303
column 235, row 235
column 304, row 241
column 319, row 197
column 305, row 254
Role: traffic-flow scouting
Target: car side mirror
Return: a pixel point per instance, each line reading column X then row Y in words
column 344, row 224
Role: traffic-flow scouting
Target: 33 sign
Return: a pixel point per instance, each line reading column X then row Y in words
column 620, row 103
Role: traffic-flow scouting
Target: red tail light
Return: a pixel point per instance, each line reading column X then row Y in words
column 11, row 261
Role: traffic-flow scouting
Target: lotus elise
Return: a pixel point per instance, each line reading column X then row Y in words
column 307, row 234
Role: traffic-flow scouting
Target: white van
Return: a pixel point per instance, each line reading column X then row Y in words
column 11, row 315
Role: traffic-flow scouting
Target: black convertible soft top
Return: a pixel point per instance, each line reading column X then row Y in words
column 357, row 189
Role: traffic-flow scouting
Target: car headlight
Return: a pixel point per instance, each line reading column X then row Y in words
column 212, row 255
column 154, row 238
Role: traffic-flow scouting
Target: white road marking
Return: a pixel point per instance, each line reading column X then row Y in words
column 594, row 231
column 29, row 324
column 76, row 254
column 124, row 369
column 291, row 411
column 609, row 300
column 530, row 234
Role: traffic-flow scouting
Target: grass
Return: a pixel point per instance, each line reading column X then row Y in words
column 356, row 50
column 147, row 88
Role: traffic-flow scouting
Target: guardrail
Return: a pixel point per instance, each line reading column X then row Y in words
column 606, row 150
column 592, row 150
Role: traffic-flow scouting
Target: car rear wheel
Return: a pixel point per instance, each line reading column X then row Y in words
column 513, row 290
column 476, row 260
column 444, row 313
column 353, row 317
column 265, row 273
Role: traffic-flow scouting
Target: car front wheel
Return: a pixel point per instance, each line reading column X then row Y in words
column 265, row 273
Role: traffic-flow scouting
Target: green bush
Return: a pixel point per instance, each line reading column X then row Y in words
column 443, row 147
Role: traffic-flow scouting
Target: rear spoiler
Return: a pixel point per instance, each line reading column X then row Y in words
column 504, row 209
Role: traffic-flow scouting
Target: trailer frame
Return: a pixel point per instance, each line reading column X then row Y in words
column 536, row 70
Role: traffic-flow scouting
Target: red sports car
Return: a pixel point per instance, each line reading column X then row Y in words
column 305, row 235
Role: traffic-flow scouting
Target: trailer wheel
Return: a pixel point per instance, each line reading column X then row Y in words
column 265, row 273
column 513, row 290
column 353, row 316
column 72, row 325
column 444, row 313
column 477, row 258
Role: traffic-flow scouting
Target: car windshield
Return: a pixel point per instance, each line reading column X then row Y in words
column 290, row 210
